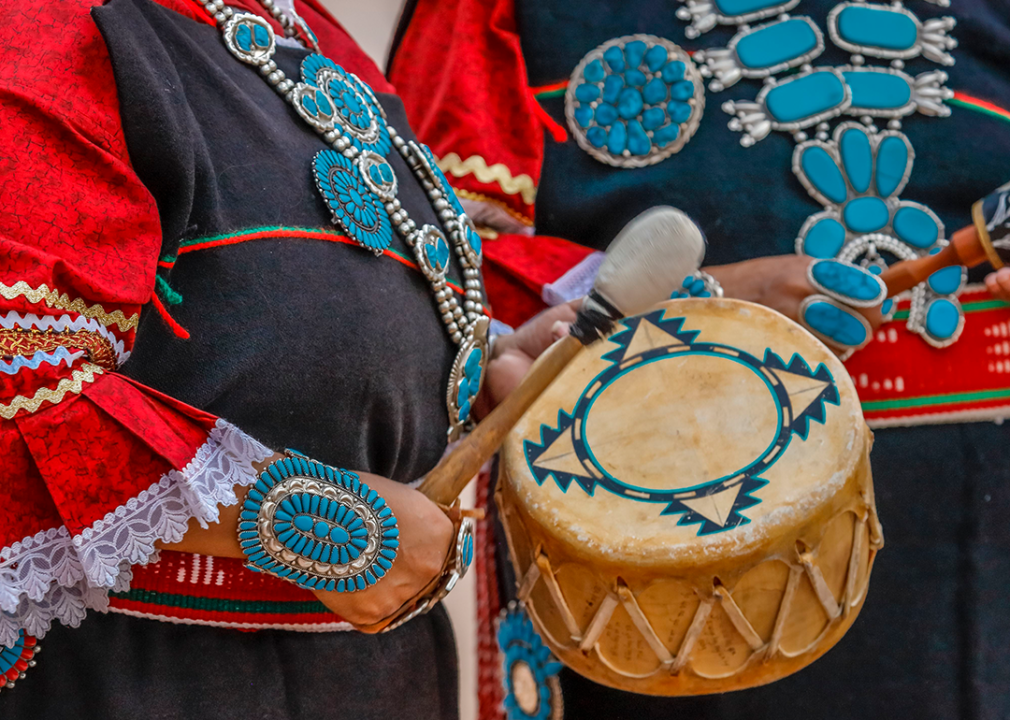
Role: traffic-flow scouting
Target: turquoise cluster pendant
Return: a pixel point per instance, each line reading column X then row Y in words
column 359, row 187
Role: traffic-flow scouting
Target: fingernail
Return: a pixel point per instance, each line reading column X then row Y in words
column 560, row 328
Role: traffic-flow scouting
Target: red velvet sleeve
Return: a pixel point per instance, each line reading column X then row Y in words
column 95, row 468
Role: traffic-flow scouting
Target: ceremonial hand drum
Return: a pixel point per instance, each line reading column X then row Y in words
column 689, row 505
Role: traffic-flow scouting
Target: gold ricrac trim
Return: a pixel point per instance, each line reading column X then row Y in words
column 522, row 185
column 42, row 294
column 73, row 385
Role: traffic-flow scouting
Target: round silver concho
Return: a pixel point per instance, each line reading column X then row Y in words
column 360, row 117
column 634, row 101
column 249, row 38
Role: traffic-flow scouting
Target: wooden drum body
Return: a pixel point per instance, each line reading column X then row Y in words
column 689, row 506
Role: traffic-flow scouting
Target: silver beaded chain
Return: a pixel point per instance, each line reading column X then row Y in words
column 459, row 320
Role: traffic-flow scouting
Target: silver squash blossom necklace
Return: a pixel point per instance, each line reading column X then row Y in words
column 359, row 187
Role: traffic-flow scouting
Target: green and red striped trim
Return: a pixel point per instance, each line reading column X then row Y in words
column 964, row 100
column 266, row 233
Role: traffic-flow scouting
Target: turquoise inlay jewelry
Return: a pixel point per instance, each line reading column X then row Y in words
column 532, row 690
column 359, row 186
column 574, row 429
column 354, row 206
column 890, row 32
column 834, row 323
column 947, row 281
column 944, row 318
column 791, row 105
column 847, row 283
column 700, row 284
column 706, row 14
column 858, row 174
column 762, row 51
column 317, row 526
column 634, row 101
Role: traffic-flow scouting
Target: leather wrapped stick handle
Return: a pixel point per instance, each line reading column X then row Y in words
column 966, row 247
column 447, row 479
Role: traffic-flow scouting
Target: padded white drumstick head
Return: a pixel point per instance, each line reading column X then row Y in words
column 649, row 259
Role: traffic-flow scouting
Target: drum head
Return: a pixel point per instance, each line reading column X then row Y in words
column 702, row 428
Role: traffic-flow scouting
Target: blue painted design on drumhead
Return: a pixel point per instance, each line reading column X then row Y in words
column 596, row 473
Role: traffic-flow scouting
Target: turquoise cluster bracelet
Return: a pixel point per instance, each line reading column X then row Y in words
column 317, row 526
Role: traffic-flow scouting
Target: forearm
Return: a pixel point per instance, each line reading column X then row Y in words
column 218, row 539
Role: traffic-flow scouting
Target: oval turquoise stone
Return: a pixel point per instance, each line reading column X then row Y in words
column 846, row 280
column 584, row 115
column 634, row 51
column 857, row 158
column 638, row 141
column 322, row 529
column 877, row 27
column 339, row 536
column 614, row 58
column 655, row 91
column 634, row 78
column 878, row 90
column 597, row 136
column 629, row 103
column 655, row 58
column 653, row 118
column 946, row 281
column 942, row 319
column 243, row 37
column 617, row 141
column 594, row 72
column 673, row 71
column 777, row 43
column 915, row 227
column 822, row 172
column 605, row 114
column 304, row 523
column 864, row 215
column 666, row 134
column 743, row 7
column 586, row 92
column 824, row 239
column 612, row 87
column 805, row 96
column 679, row 111
column 261, row 36
column 892, row 161
column 835, row 323
column 683, row 90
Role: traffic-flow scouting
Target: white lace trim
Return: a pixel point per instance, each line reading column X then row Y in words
column 53, row 576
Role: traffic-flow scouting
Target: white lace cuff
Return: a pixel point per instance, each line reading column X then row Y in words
column 55, row 576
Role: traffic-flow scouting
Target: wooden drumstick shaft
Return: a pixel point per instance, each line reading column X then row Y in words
column 965, row 248
column 447, row 479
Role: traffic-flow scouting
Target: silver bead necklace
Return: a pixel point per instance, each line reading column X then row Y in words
column 359, row 185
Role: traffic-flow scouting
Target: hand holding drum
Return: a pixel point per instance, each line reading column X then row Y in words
column 645, row 263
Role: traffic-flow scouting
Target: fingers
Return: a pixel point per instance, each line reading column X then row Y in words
column 560, row 329
column 998, row 284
